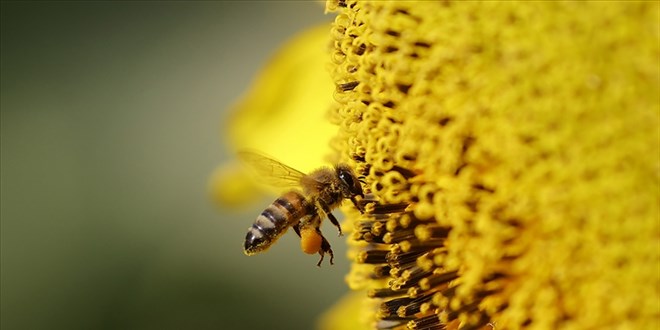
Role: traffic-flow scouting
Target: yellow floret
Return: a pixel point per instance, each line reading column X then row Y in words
column 522, row 138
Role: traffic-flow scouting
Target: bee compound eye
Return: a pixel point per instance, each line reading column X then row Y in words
column 346, row 177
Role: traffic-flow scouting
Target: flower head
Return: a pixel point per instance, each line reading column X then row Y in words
column 512, row 154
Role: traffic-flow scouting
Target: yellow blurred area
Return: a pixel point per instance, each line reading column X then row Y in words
column 110, row 120
column 350, row 313
column 283, row 115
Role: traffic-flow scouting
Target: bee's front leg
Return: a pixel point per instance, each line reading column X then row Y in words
column 357, row 205
column 332, row 218
column 335, row 222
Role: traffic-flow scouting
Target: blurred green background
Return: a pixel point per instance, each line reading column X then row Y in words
column 111, row 118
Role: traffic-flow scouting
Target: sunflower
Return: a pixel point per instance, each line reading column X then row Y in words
column 512, row 157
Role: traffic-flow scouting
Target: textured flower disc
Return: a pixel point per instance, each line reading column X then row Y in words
column 511, row 150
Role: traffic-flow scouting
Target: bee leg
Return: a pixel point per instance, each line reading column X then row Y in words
column 332, row 218
column 335, row 222
column 325, row 247
column 296, row 228
column 357, row 205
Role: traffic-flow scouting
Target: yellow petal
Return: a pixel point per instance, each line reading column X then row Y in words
column 350, row 313
column 284, row 115
column 285, row 112
column 231, row 185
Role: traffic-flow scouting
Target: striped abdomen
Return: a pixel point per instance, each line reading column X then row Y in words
column 274, row 221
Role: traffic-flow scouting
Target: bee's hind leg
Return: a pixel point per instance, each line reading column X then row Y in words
column 296, row 228
column 325, row 247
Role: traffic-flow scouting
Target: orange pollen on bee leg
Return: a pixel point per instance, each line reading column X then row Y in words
column 310, row 241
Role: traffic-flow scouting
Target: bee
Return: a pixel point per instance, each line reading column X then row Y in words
column 310, row 198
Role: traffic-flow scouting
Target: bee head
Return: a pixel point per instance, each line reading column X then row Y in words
column 349, row 183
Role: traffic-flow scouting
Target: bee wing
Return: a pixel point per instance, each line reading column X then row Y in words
column 271, row 171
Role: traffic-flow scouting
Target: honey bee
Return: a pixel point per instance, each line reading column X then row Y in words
column 309, row 199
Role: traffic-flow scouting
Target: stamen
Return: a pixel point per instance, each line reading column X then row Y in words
column 428, row 232
column 381, row 271
column 372, row 257
column 414, row 306
column 383, row 293
column 390, row 307
column 398, row 236
column 389, row 208
column 426, row 323
column 437, row 279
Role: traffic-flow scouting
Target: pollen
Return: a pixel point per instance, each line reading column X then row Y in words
column 310, row 240
column 510, row 154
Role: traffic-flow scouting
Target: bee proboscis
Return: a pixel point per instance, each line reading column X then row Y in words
column 310, row 198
